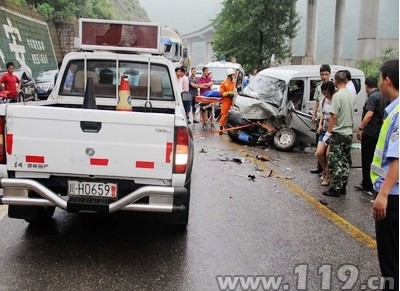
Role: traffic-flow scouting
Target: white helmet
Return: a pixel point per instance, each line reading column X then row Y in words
column 230, row 72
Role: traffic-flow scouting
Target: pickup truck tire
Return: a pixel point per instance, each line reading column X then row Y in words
column 285, row 139
column 179, row 220
column 43, row 215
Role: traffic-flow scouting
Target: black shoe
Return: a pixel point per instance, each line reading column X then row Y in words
column 221, row 132
column 359, row 188
column 316, row 171
column 343, row 189
column 195, row 121
column 189, row 122
column 332, row 193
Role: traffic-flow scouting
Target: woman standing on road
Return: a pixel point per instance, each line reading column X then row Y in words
column 327, row 89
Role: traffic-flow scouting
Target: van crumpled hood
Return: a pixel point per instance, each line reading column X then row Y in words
column 252, row 108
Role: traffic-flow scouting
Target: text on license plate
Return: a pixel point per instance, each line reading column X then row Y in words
column 244, row 137
column 92, row 189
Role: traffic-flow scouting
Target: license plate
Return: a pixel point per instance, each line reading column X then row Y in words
column 244, row 136
column 93, row 189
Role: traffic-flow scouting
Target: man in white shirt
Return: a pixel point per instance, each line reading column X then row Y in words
column 350, row 85
column 184, row 84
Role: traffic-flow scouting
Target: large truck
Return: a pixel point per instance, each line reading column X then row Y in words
column 173, row 47
column 112, row 136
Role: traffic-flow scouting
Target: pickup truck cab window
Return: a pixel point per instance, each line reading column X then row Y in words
column 107, row 74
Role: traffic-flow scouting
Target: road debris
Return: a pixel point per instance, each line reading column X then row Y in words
column 202, row 151
column 262, row 158
column 249, row 177
column 323, row 202
column 286, row 178
column 268, row 175
column 237, row 160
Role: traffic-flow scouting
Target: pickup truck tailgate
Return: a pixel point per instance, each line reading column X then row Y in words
column 67, row 141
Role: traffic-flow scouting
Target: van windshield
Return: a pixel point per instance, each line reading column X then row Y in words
column 267, row 89
column 218, row 74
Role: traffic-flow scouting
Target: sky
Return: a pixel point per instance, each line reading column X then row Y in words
column 183, row 15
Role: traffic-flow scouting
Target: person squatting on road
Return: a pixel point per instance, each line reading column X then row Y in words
column 328, row 89
column 340, row 135
column 10, row 83
column 368, row 132
column 227, row 92
column 385, row 178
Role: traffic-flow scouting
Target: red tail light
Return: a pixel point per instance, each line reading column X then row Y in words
column 2, row 140
column 181, row 152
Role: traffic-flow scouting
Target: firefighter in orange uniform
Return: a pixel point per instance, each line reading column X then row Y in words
column 227, row 92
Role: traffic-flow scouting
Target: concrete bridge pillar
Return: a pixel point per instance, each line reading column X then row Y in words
column 367, row 31
column 338, row 35
column 311, row 37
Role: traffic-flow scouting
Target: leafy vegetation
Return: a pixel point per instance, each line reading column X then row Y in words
column 371, row 67
column 253, row 31
column 69, row 10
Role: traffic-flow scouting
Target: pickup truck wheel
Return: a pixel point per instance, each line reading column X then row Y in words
column 43, row 215
column 284, row 139
column 179, row 220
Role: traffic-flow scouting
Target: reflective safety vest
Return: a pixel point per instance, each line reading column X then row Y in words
column 376, row 166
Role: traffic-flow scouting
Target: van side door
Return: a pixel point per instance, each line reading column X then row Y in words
column 312, row 84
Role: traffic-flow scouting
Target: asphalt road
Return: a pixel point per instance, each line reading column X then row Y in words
column 274, row 225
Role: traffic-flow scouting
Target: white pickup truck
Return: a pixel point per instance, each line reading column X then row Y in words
column 77, row 152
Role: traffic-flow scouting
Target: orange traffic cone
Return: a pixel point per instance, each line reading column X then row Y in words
column 124, row 96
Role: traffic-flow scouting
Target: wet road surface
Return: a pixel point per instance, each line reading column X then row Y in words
column 272, row 226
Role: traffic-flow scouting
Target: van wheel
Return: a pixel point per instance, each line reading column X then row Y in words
column 21, row 97
column 43, row 215
column 284, row 139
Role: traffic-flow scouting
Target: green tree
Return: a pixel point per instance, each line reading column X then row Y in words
column 70, row 10
column 371, row 67
column 253, row 30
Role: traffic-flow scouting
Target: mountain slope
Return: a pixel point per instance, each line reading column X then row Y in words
column 128, row 10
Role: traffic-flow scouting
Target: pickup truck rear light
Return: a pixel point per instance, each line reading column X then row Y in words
column 3, row 143
column 181, row 151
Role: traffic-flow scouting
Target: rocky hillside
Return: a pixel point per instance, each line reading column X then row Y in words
column 128, row 10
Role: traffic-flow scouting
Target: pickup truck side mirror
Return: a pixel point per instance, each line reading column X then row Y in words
column 186, row 96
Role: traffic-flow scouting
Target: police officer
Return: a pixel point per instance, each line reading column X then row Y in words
column 385, row 177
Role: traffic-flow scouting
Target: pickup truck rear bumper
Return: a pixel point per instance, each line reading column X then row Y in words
column 13, row 194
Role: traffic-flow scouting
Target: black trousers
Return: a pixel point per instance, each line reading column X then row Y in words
column 316, row 145
column 368, row 144
column 387, row 238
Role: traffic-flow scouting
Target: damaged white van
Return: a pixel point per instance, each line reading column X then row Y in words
column 279, row 101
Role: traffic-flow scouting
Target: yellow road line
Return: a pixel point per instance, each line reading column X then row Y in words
column 339, row 221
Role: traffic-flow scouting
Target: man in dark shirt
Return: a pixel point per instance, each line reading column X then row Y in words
column 368, row 132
